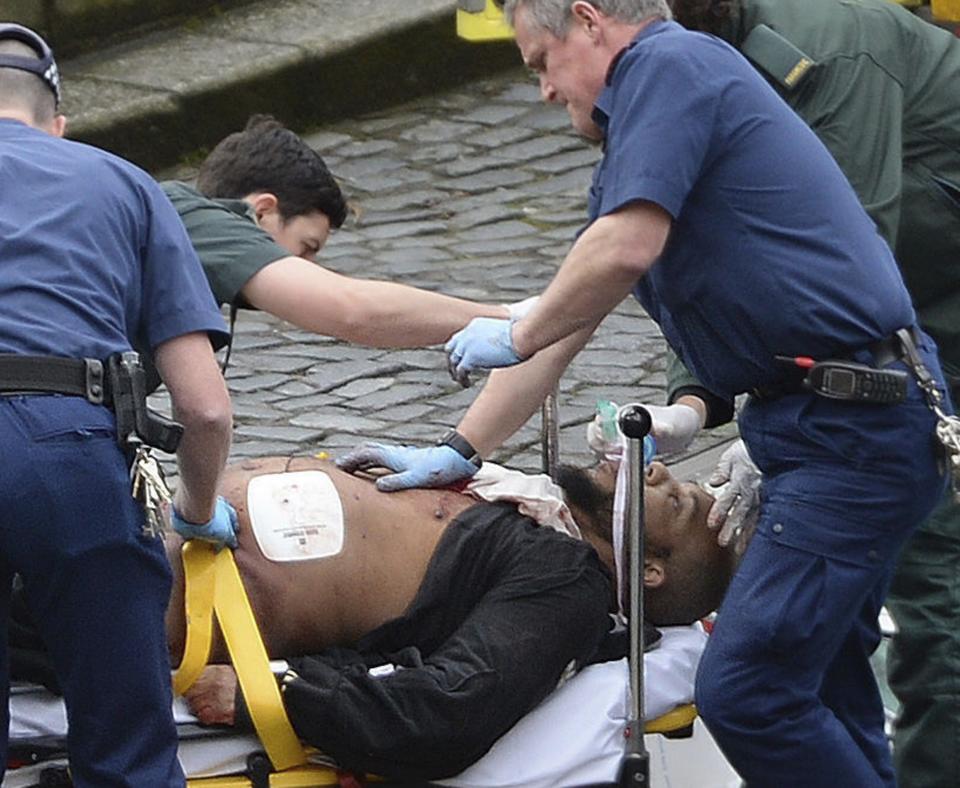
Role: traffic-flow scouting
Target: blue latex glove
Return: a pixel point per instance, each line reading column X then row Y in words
column 221, row 529
column 484, row 343
column 436, row 466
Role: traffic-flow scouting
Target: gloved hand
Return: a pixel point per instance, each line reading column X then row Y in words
column 484, row 343
column 738, row 502
column 674, row 428
column 435, row 466
column 603, row 433
column 520, row 309
column 221, row 529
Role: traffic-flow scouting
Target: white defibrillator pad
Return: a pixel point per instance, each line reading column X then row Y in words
column 295, row 516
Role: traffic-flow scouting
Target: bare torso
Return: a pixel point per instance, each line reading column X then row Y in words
column 304, row 606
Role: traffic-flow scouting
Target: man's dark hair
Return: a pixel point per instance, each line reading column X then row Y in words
column 694, row 590
column 709, row 16
column 268, row 157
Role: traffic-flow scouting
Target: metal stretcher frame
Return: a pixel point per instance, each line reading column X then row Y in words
column 635, row 424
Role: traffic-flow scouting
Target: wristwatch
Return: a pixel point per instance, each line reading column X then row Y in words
column 461, row 446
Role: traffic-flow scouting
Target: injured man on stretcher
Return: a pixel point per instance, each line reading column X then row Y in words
column 420, row 626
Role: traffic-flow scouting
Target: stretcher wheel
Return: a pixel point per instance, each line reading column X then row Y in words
column 259, row 770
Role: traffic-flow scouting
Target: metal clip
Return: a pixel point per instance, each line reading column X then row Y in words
column 924, row 378
column 93, row 369
column 948, row 427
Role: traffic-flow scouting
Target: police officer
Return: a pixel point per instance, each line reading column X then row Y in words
column 879, row 87
column 94, row 258
column 708, row 182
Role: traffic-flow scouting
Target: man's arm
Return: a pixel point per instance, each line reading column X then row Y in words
column 201, row 404
column 685, row 389
column 244, row 265
column 511, row 396
column 599, row 272
column 367, row 312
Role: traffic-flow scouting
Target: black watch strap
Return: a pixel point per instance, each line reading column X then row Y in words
column 461, row 446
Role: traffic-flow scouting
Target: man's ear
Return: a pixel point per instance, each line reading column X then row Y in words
column 654, row 573
column 263, row 203
column 587, row 17
column 58, row 126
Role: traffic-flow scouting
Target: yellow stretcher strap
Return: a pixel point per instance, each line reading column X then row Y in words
column 212, row 583
column 199, row 577
column 675, row 722
column 485, row 25
column 298, row 777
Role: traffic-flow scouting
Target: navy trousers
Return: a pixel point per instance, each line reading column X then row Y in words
column 96, row 585
column 785, row 684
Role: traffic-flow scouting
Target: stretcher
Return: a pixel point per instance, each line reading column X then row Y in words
column 583, row 734
column 559, row 743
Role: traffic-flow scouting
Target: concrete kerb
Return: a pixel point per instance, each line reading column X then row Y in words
column 173, row 93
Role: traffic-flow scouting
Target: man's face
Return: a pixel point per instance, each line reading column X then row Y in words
column 571, row 70
column 675, row 513
column 303, row 236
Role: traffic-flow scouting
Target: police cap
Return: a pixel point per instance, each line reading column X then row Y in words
column 44, row 66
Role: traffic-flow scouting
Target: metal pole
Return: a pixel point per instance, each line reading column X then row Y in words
column 635, row 423
column 550, row 433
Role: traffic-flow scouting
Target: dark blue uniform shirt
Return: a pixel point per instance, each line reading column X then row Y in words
column 770, row 251
column 86, row 278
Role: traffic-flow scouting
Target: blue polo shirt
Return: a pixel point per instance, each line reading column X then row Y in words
column 770, row 251
column 94, row 258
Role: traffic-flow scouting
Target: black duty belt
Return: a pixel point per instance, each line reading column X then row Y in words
column 53, row 375
column 119, row 383
column 794, row 378
column 889, row 350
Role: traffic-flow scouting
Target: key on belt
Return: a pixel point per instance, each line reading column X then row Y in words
column 150, row 489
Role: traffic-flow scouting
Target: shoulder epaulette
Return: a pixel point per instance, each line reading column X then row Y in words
column 775, row 56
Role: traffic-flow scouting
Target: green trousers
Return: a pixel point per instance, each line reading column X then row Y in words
column 923, row 665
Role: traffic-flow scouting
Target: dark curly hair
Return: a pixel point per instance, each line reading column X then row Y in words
column 268, row 157
column 708, row 16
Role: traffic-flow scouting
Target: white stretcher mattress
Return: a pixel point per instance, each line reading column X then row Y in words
column 574, row 737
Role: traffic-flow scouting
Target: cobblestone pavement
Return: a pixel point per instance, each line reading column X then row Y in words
column 476, row 193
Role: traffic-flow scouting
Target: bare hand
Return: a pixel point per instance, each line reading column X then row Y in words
column 212, row 698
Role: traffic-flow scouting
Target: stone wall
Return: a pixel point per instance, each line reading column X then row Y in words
column 73, row 26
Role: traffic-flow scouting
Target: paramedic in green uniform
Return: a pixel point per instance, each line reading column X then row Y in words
column 264, row 206
column 881, row 88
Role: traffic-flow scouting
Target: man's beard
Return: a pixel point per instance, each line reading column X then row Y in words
column 583, row 492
